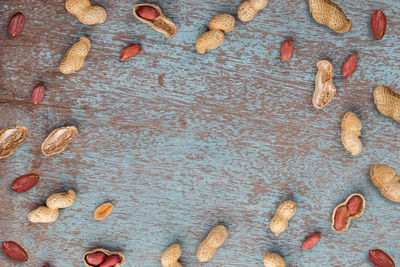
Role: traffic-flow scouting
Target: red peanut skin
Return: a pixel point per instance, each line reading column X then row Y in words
column 311, row 241
column 378, row 24
column 147, row 12
column 25, row 182
column 130, row 51
column 111, row 261
column 16, row 24
column 287, row 50
column 37, row 94
column 354, row 205
column 340, row 218
column 380, row 258
column 349, row 66
column 96, row 258
column 14, row 251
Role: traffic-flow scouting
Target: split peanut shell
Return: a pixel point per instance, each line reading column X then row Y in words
column 162, row 24
column 349, row 217
column 108, row 253
column 11, row 138
column 58, row 140
column 351, row 131
column 325, row 90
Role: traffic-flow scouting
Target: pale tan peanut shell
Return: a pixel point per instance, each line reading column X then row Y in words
column 11, row 138
column 162, row 24
column 58, row 140
column 386, row 180
column 103, row 211
column 215, row 36
column 387, row 102
column 351, row 131
column 273, row 260
column 61, row 200
column 209, row 40
column 223, row 22
column 324, row 88
column 108, row 253
column 208, row 247
column 329, row 14
column 249, row 9
column 85, row 12
column 171, row 255
column 283, row 214
column 349, row 217
column 43, row 215
column 75, row 57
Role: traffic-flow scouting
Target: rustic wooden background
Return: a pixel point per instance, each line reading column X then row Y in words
column 180, row 142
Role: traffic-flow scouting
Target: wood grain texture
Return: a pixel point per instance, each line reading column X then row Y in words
column 179, row 142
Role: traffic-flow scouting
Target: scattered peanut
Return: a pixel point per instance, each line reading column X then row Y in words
column 147, row 12
column 352, row 208
column 378, row 24
column 85, row 12
column 16, row 24
column 311, row 241
column 103, row 211
column 171, row 255
column 14, row 251
column 349, row 66
column 111, row 261
column 287, row 49
column 218, row 25
column 386, row 180
column 152, row 15
column 283, row 214
column 273, row 260
column 11, row 138
column 208, row 247
column 100, row 257
column 96, row 258
column 329, row 14
column 58, row 140
column 249, row 9
column 387, row 102
column 324, row 88
column 380, row 258
column 130, row 51
column 50, row 212
column 351, row 131
column 75, row 57
column 25, row 182
column 37, row 94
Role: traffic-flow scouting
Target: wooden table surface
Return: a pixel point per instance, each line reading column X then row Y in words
column 180, row 142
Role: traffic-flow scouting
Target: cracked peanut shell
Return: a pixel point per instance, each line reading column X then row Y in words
column 11, row 138
column 58, row 140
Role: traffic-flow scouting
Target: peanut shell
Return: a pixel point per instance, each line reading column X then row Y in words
column 351, row 131
column 329, row 14
column 387, row 102
column 108, row 253
column 325, row 90
column 11, row 138
column 162, row 24
column 58, row 140
column 386, row 180
column 349, row 217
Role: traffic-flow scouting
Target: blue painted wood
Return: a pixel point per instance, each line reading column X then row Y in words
column 180, row 142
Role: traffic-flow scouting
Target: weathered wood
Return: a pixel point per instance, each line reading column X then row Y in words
column 180, row 142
